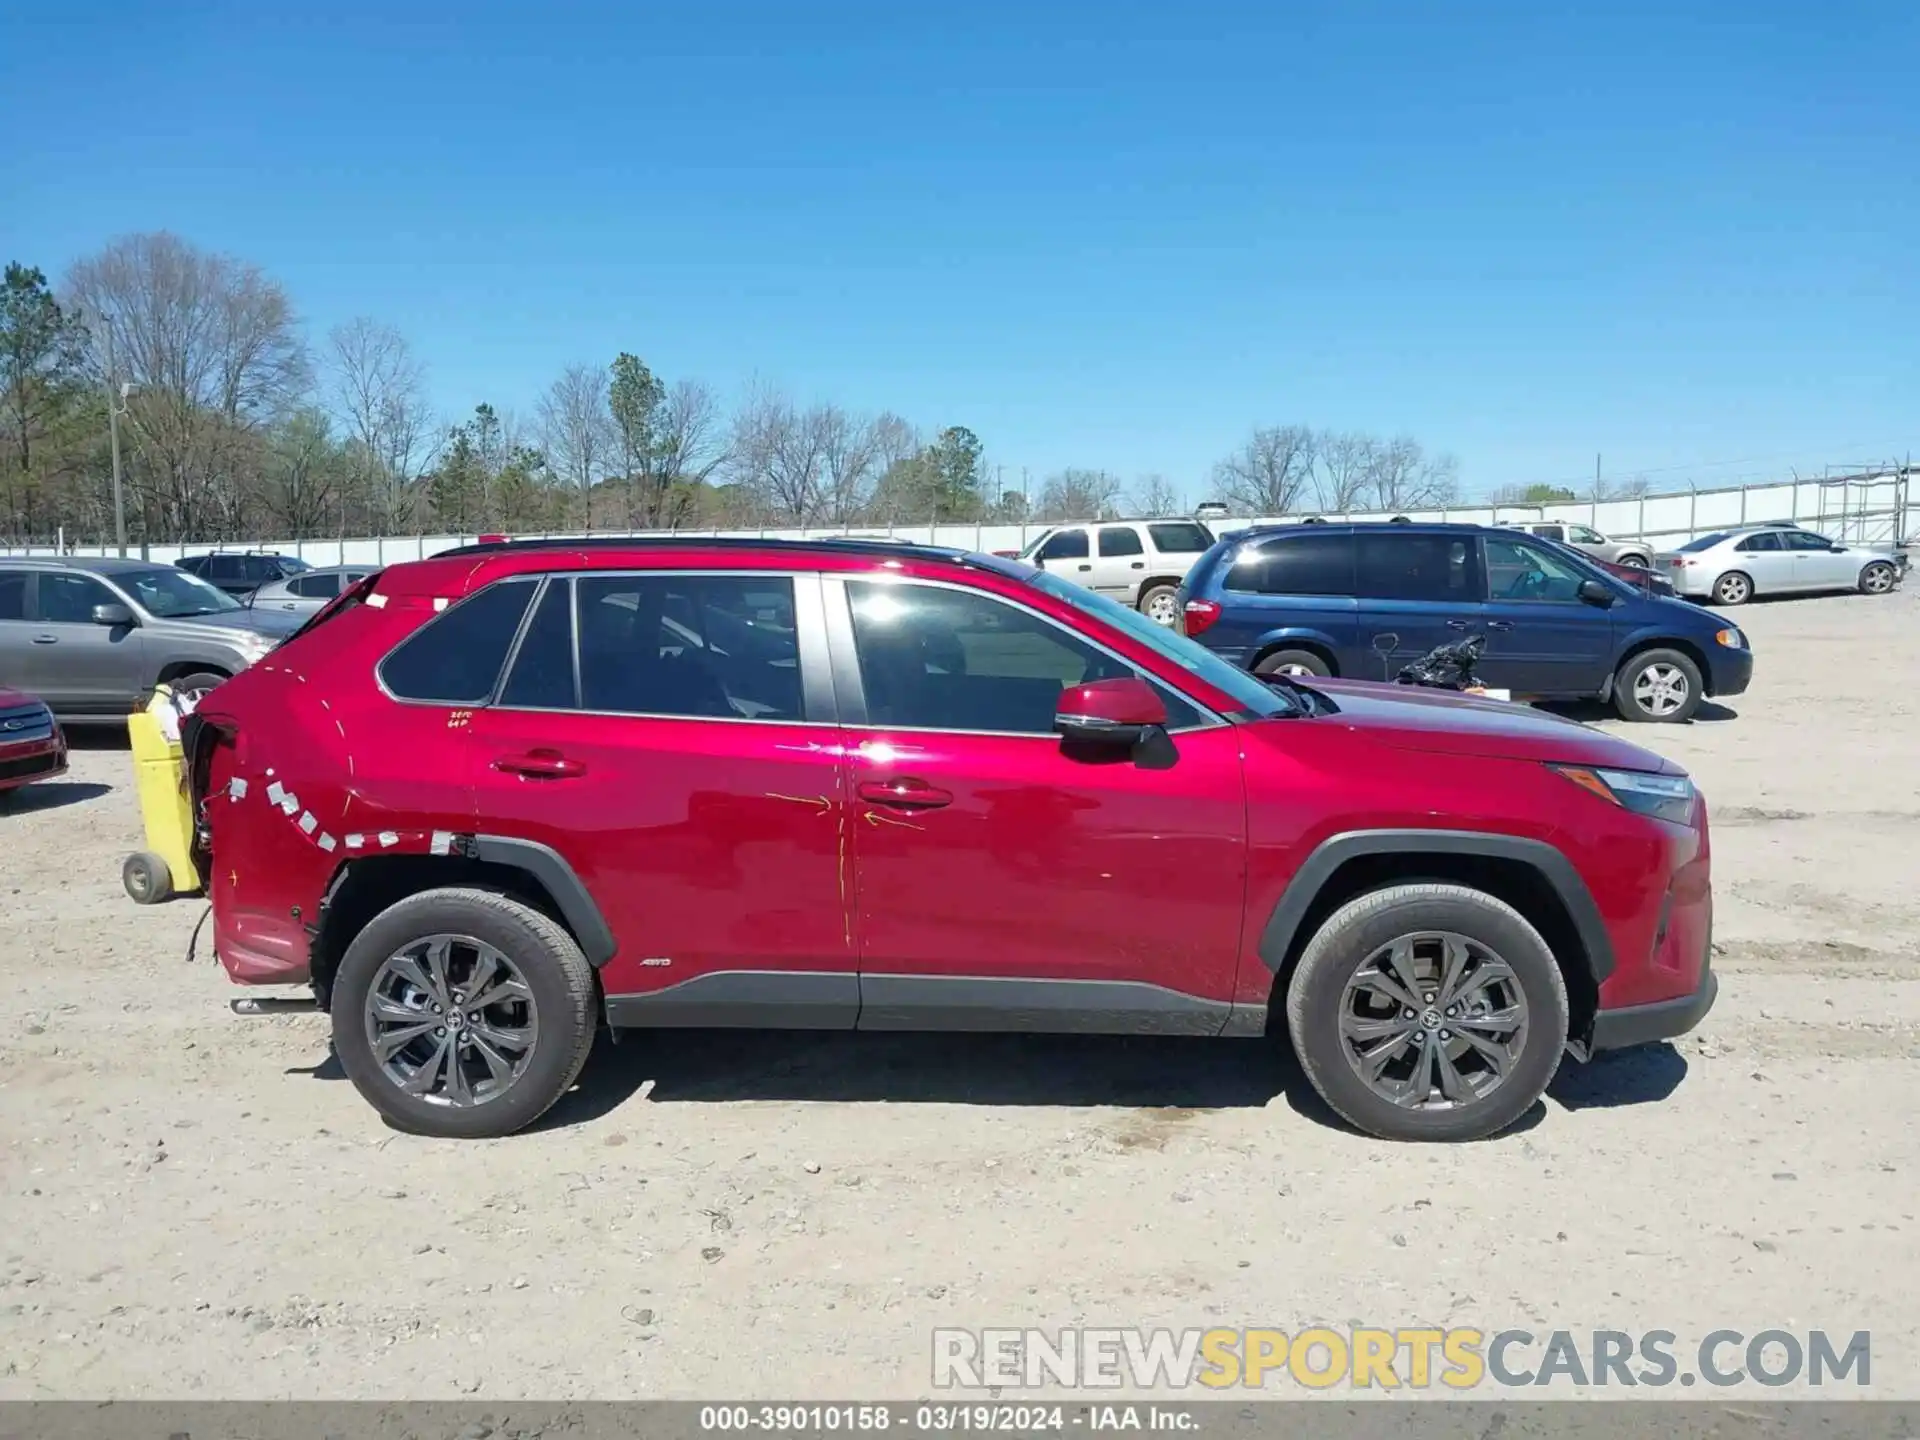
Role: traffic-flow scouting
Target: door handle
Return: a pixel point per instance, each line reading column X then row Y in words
column 1498, row 625
column 1138, row 565
column 1083, row 567
column 1456, row 625
column 904, row 793
column 540, row 765
column 46, row 639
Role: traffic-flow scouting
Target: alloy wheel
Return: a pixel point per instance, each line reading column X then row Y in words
column 1433, row 1021
column 1163, row 608
column 1660, row 689
column 1877, row 580
column 1734, row 589
column 451, row 1020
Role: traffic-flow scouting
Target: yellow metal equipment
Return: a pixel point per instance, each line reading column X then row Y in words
column 165, row 867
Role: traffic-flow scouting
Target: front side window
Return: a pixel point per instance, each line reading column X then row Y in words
column 1585, row 536
column 1411, row 566
column 938, row 659
column 1120, row 540
column 455, row 658
column 1295, row 565
column 699, row 646
column 1063, row 545
column 1180, row 537
column 1767, row 540
column 69, row 599
column 1516, row 571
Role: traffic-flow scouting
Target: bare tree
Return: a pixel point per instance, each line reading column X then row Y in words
column 779, row 455
column 1078, row 495
column 1344, row 470
column 1268, row 473
column 850, row 461
column 212, row 345
column 1155, row 495
column 687, row 447
column 379, row 395
column 576, row 427
column 1402, row 476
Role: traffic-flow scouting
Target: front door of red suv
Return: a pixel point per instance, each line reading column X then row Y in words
column 1001, row 881
column 659, row 729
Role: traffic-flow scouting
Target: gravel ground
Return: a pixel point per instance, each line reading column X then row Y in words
column 199, row 1205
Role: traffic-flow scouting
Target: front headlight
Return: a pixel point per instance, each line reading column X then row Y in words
column 255, row 646
column 1731, row 638
column 1665, row 797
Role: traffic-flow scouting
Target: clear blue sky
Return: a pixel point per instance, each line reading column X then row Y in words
column 1115, row 235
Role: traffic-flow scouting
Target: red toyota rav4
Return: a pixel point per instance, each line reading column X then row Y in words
column 483, row 801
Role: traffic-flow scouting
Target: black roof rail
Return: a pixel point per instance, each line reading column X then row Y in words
column 843, row 545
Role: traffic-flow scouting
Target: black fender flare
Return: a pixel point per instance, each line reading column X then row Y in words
column 1277, row 940
column 559, row 879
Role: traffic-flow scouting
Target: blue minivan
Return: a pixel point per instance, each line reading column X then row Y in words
column 1361, row 601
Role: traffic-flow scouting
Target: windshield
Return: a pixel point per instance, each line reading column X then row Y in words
column 1705, row 542
column 1189, row 655
column 169, row 592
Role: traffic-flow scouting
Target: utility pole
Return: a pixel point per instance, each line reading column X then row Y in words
column 116, row 402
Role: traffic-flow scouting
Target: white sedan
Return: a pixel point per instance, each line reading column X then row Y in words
column 1732, row 566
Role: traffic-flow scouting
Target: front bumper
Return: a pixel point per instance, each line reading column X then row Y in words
column 35, row 760
column 1729, row 671
column 1662, row 1020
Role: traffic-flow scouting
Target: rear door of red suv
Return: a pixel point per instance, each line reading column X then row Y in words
column 668, row 731
column 1001, row 881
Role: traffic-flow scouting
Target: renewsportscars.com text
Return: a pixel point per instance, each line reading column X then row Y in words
column 1364, row 1358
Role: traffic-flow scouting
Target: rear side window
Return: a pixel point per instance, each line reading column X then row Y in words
column 13, row 595
column 1296, row 565
column 700, row 646
column 1550, row 532
column 542, row 677
column 1411, row 566
column 1180, row 538
column 1769, row 540
column 1122, row 541
column 455, row 658
column 315, row 587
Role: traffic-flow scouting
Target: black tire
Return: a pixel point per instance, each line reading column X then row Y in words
column 1733, row 588
column 555, row 971
column 1634, row 557
column 1167, row 593
column 1357, row 931
column 148, row 879
column 1877, row 578
column 1277, row 661
column 1645, row 709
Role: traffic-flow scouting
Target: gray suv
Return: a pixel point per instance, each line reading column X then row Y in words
column 93, row 637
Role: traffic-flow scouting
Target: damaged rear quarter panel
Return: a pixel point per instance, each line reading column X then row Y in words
column 321, row 768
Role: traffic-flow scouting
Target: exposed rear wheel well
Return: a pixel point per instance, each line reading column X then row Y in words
column 1514, row 881
column 365, row 887
column 1312, row 647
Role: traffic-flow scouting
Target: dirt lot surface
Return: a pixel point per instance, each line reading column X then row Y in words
column 198, row 1205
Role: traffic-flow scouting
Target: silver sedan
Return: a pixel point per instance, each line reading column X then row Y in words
column 306, row 592
column 1733, row 566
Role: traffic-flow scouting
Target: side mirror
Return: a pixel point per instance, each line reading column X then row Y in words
column 115, row 614
column 1109, row 712
column 1594, row 593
